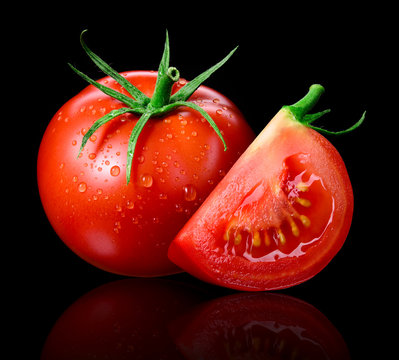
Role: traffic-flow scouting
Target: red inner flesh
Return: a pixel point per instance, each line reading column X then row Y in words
column 280, row 217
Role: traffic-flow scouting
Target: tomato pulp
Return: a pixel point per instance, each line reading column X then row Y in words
column 127, row 228
column 277, row 218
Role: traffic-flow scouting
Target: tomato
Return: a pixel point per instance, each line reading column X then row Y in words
column 122, row 227
column 257, row 326
column 280, row 214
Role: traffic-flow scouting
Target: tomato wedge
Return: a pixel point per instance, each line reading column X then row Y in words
column 279, row 215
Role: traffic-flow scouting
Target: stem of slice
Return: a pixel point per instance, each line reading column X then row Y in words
column 303, row 106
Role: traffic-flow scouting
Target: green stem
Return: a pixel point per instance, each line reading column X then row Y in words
column 163, row 88
column 303, row 106
column 300, row 111
column 160, row 103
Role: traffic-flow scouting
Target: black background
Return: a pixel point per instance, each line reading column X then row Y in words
column 282, row 51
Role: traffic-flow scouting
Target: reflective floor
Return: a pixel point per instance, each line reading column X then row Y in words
column 168, row 319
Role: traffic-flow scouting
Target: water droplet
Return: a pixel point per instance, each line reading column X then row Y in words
column 140, row 159
column 216, row 101
column 92, row 156
column 130, row 204
column 117, row 226
column 190, row 193
column 82, row 187
column 115, row 170
column 194, row 133
column 74, row 142
column 93, row 138
column 219, row 111
column 163, row 196
column 146, row 180
column 75, row 179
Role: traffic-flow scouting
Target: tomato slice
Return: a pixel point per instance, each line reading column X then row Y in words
column 277, row 218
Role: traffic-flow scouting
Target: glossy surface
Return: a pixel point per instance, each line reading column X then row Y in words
column 126, row 229
column 258, row 326
column 276, row 219
column 170, row 319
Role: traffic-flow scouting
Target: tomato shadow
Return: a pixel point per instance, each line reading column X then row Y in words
column 171, row 319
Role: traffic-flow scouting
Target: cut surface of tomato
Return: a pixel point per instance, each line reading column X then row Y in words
column 273, row 219
column 277, row 218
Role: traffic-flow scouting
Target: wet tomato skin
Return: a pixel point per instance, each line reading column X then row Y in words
column 276, row 219
column 126, row 229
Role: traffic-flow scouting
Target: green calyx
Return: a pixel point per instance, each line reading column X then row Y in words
column 301, row 108
column 161, row 102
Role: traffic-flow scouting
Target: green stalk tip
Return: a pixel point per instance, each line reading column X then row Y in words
column 300, row 111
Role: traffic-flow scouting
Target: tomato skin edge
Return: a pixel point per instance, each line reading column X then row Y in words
column 191, row 249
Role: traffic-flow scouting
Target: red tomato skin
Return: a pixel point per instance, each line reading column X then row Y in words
column 126, row 229
column 194, row 249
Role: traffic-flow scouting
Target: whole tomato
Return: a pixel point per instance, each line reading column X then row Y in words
column 118, row 199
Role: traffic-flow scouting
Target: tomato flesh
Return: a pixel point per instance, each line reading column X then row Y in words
column 278, row 217
column 276, row 220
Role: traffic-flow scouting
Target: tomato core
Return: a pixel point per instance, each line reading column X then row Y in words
column 282, row 216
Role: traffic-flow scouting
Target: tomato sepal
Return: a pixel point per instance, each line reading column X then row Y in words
column 161, row 102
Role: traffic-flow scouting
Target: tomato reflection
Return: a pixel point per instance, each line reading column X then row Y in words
column 125, row 319
column 258, row 326
column 165, row 319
